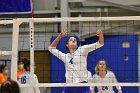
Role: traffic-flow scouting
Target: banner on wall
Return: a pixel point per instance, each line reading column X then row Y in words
column 15, row 6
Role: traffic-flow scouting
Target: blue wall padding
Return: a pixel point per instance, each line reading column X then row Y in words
column 112, row 52
column 15, row 6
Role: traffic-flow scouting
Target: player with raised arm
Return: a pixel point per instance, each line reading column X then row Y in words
column 76, row 60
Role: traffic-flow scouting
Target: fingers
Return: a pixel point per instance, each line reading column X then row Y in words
column 64, row 32
column 99, row 32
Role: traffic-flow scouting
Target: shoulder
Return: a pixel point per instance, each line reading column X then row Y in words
column 110, row 73
column 25, row 74
column 79, row 48
column 83, row 46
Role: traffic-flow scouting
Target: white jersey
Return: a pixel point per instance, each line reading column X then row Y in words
column 25, row 79
column 76, row 63
column 109, row 78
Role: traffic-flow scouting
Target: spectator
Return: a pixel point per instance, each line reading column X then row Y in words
column 10, row 86
column 3, row 73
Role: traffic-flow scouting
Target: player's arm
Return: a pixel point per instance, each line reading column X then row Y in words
column 91, row 47
column 101, row 37
column 91, row 80
column 52, row 47
column 115, row 81
column 92, row 89
column 37, row 90
column 56, row 41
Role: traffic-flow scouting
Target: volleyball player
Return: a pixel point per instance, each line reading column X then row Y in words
column 75, row 61
column 26, row 79
column 103, row 75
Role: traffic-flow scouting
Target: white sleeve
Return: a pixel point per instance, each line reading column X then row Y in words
column 57, row 53
column 36, row 89
column 92, row 80
column 89, row 77
column 114, row 80
column 88, row 48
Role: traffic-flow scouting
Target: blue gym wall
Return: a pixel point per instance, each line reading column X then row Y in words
column 112, row 52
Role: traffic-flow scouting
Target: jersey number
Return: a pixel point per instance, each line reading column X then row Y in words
column 104, row 88
column 23, row 80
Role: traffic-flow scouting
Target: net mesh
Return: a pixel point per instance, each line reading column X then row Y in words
column 121, row 50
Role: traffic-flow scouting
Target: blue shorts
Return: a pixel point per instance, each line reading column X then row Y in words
column 76, row 89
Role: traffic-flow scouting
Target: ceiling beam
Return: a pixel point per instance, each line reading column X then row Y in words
column 132, row 8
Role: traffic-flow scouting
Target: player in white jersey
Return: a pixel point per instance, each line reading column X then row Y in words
column 103, row 75
column 75, row 61
column 26, row 79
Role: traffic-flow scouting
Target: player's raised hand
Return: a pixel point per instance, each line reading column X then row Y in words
column 99, row 33
column 63, row 33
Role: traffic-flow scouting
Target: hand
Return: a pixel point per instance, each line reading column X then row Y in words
column 63, row 33
column 99, row 33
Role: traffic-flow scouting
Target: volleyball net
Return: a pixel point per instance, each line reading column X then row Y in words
column 31, row 38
